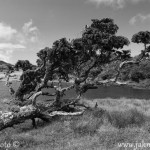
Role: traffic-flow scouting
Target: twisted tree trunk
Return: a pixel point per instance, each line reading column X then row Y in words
column 34, row 110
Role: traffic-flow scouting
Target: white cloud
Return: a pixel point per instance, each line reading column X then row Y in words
column 139, row 18
column 11, row 46
column 8, row 43
column 4, row 57
column 114, row 3
column 6, row 31
column 30, row 32
column 28, row 28
column 7, row 49
column 12, row 39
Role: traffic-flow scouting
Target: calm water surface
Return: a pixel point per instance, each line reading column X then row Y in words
column 114, row 92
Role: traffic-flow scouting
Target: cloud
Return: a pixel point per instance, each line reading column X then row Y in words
column 28, row 28
column 139, row 18
column 30, row 32
column 7, row 49
column 12, row 39
column 114, row 3
column 4, row 57
column 6, row 31
column 11, row 46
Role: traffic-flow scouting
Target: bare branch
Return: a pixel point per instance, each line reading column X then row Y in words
column 68, row 88
column 82, row 105
column 63, row 113
column 122, row 65
column 84, row 76
column 34, row 97
column 9, row 119
column 8, row 83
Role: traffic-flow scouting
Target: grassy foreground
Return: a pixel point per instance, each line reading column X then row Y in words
column 117, row 124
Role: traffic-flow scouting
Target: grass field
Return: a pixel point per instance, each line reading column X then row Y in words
column 115, row 122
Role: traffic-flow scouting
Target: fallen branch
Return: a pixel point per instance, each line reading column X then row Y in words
column 9, row 119
column 33, row 110
column 62, row 113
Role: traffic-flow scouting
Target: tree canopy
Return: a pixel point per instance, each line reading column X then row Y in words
column 141, row 37
column 23, row 64
column 80, row 60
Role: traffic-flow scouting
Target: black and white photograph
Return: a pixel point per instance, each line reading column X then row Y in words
column 74, row 74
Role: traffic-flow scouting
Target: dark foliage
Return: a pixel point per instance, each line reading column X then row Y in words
column 23, row 64
column 82, row 58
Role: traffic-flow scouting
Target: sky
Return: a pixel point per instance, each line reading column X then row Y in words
column 27, row 26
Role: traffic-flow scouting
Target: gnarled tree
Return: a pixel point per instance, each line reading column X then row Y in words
column 98, row 46
column 142, row 37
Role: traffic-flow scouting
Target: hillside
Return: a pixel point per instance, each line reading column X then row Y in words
column 137, row 75
column 4, row 65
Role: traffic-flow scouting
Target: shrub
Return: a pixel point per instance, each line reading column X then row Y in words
column 122, row 119
column 137, row 76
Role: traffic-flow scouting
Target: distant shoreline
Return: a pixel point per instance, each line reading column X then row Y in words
column 141, row 85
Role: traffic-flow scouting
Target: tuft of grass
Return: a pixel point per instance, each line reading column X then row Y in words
column 26, row 141
column 122, row 119
column 116, row 121
column 89, row 122
column 93, row 119
column 110, row 139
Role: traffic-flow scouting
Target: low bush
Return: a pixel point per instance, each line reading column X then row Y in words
column 137, row 75
column 122, row 119
column 91, row 120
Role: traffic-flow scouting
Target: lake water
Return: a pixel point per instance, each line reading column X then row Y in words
column 114, row 92
column 118, row 92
